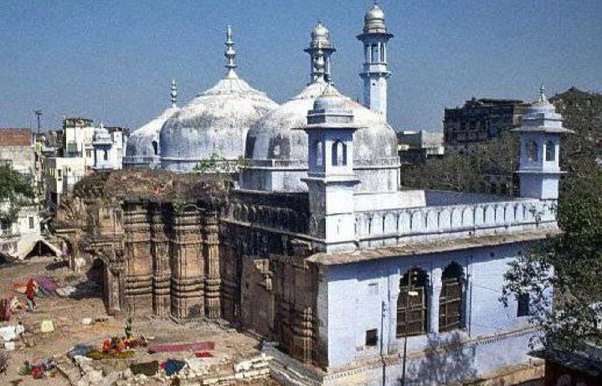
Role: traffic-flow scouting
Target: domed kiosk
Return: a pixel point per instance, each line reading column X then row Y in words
column 214, row 124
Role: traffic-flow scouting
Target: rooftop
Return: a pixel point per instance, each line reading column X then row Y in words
column 15, row 137
column 422, row 248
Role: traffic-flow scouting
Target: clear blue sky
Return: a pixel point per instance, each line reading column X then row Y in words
column 113, row 60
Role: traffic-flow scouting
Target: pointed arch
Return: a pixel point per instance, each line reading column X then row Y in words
column 412, row 310
column 451, row 298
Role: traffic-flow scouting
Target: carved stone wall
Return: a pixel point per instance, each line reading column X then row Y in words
column 243, row 262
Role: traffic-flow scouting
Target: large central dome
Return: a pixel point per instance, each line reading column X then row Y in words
column 273, row 143
column 214, row 124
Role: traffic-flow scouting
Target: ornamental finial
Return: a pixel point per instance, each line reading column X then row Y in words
column 542, row 95
column 173, row 93
column 230, row 54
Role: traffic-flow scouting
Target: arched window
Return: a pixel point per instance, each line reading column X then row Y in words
column 450, row 300
column 339, row 154
column 532, row 151
column 411, row 304
column 382, row 53
column 319, row 148
column 105, row 155
column 374, row 54
column 550, row 151
column 155, row 147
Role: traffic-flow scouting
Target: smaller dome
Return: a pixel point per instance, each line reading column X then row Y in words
column 330, row 100
column 374, row 21
column 320, row 37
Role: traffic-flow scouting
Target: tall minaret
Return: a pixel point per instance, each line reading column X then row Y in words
column 230, row 55
column 539, row 167
column 319, row 50
column 375, row 72
column 174, row 93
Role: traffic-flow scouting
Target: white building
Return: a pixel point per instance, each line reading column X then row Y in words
column 78, row 135
column 109, row 146
column 61, row 174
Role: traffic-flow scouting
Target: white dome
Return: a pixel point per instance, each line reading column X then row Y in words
column 273, row 137
column 213, row 124
column 143, row 145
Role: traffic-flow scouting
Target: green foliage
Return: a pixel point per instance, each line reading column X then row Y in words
column 465, row 172
column 15, row 190
column 218, row 164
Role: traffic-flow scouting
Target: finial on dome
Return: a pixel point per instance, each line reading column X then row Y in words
column 174, row 93
column 230, row 54
column 542, row 96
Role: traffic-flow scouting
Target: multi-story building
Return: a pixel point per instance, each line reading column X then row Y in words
column 60, row 175
column 78, row 135
column 480, row 120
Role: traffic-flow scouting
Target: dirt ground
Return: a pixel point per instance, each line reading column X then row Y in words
column 67, row 314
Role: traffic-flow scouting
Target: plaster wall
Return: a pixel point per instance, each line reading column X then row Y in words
column 363, row 296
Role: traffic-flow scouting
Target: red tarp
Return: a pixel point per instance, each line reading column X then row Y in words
column 176, row 347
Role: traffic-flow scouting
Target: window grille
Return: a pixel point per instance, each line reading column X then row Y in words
column 450, row 300
column 411, row 304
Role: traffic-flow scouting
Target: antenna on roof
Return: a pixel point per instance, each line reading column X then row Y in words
column 38, row 114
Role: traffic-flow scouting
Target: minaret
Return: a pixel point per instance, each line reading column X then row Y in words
column 319, row 50
column 174, row 93
column 539, row 167
column 331, row 179
column 375, row 72
column 230, row 55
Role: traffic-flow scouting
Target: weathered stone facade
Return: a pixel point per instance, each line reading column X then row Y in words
column 241, row 260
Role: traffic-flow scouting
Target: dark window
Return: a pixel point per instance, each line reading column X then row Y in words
column 319, row 153
column 411, row 304
column 105, row 155
column 532, row 151
column 31, row 225
column 339, row 154
column 550, row 151
column 155, row 147
column 523, row 305
column 372, row 337
column 450, row 300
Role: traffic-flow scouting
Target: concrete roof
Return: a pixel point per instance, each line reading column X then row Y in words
column 422, row 248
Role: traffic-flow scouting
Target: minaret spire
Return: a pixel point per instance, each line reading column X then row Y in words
column 542, row 95
column 375, row 71
column 230, row 54
column 174, row 93
column 320, row 48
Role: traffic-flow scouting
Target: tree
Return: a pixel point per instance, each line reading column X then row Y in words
column 466, row 172
column 15, row 191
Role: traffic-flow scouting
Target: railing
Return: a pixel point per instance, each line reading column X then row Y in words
column 486, row 217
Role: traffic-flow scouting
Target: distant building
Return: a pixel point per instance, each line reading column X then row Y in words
column 417, row 146
column 480, row 120
column 61, row 174
column 109, row 145
column 19, row 233
column 78, row 135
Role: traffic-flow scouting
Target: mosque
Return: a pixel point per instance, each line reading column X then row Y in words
column 348, row 277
